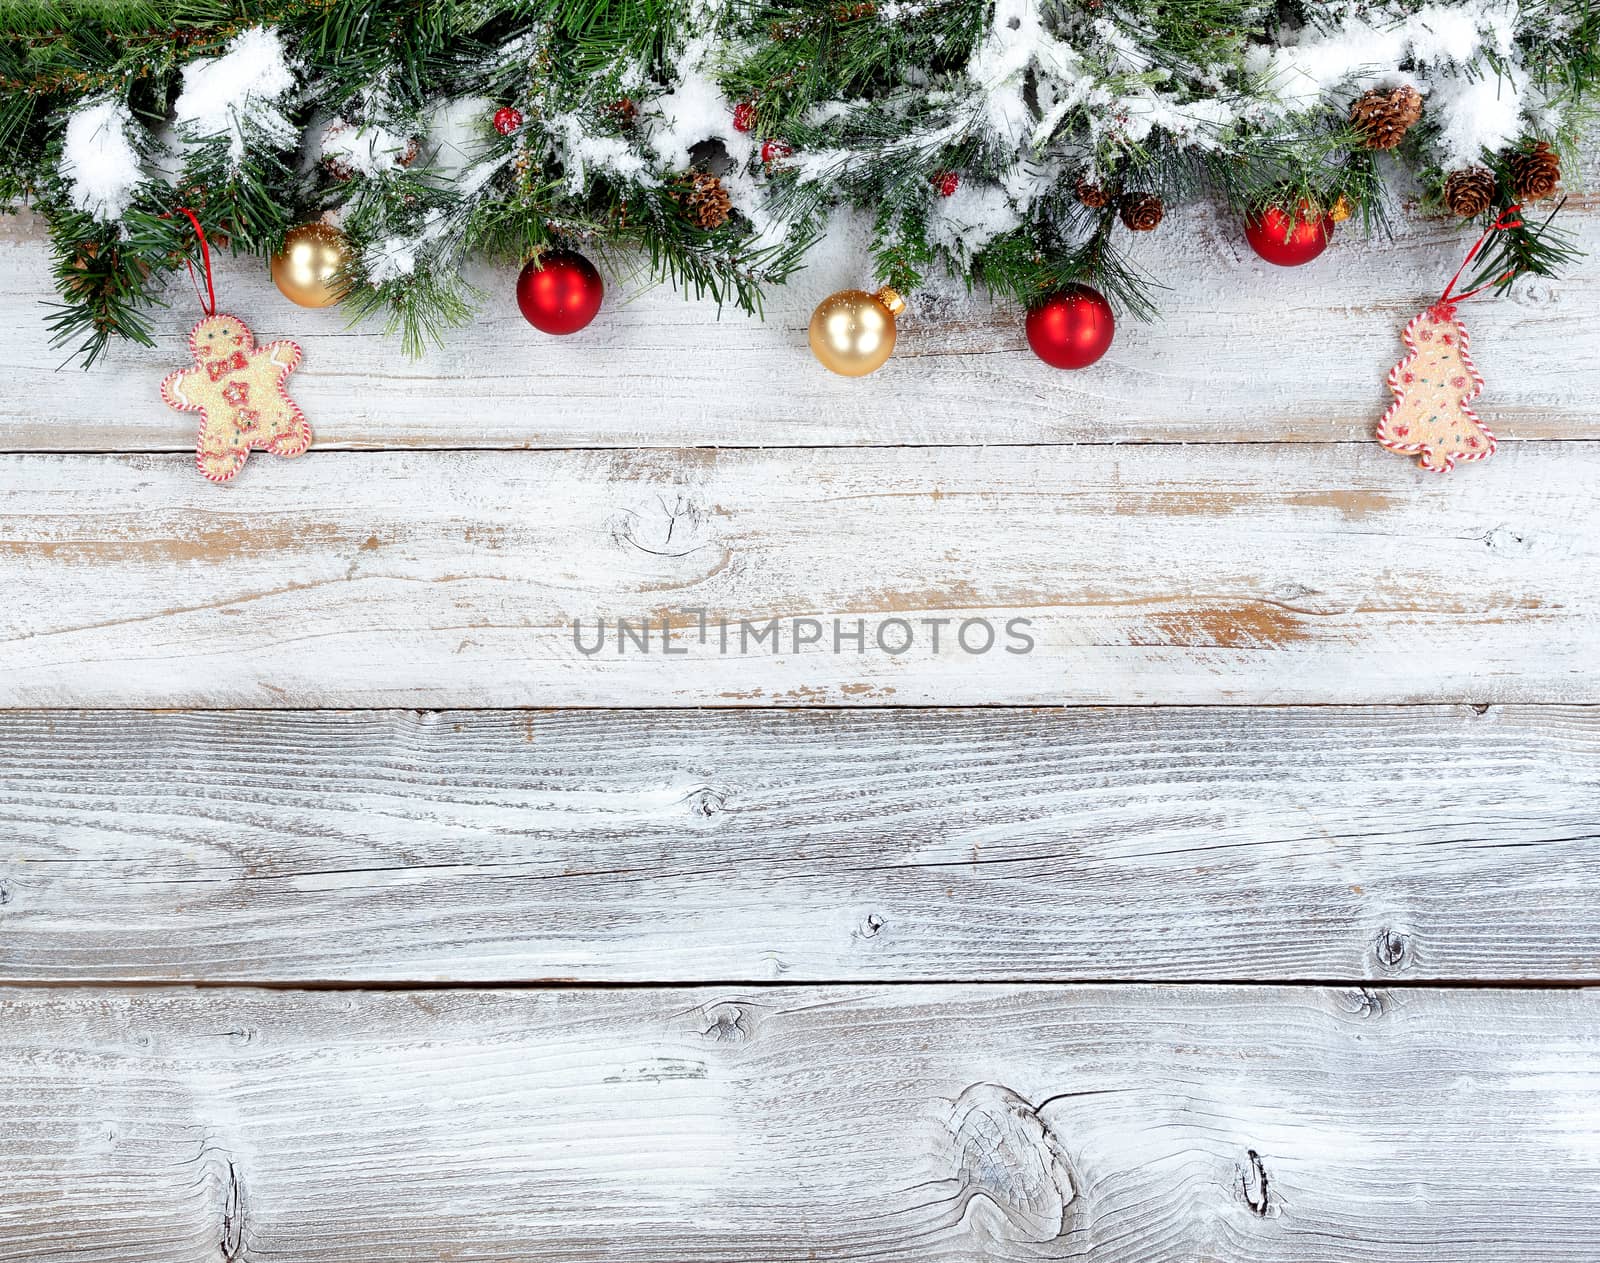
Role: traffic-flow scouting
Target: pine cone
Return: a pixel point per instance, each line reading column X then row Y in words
column 1535, row 171
column 707, row 202
column 1140, row 211
column 1383, row 116
column 1094, row 196
column 1469, row 192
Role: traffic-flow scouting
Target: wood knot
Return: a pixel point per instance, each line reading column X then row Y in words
column 666, row 524
column 730, row 1023
column 1502, row 539
column 706, row 801
column 1367, row 1003
column 5, row 893
column 1253, row 1184
column 1007, row 1156
column 870, row 925
column 231, row 1231
column 1393, row 950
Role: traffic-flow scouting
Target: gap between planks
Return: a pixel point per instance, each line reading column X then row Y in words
column 568, row 986
column 779, row 449
column 647, row 708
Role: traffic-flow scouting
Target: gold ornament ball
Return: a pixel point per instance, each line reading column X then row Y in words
column 852, row 332
column 308, row 267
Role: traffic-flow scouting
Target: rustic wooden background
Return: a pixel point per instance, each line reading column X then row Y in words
column 348, row 913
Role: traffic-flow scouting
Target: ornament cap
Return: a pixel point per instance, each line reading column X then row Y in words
column 890, row 298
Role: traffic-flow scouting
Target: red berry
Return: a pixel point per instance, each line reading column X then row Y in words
column 507, row 120
column 775, row 150
column 744, row 116
column 946, row 182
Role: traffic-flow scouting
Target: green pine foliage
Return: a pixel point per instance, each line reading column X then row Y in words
column 883, row 99
column 580, row 74
column 965, row 129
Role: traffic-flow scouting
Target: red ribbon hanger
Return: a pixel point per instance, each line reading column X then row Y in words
column 208, row 300
column 1445, row 308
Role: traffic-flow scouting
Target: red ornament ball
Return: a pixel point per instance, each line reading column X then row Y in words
column 744, row 116
column 1072, row 328
column 775, row 151
column 559, row 292
column 507, row 120
column 1288, row 241
column 947, row 182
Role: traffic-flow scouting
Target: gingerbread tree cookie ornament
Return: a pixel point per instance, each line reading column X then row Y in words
column 237, row 387
column 1434, row 385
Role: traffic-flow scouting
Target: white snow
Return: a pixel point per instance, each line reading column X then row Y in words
column 458, row 132
column 1450, row 47
column 1059, row 99
column 99, row 161
column 816, row 165
column 825, row 112
column 971, row 217
column 366, row 149
column 238, row 93
column 1133, row 117
column 396, row 257
column 583, row 152
column 1029, row 180
column 1477, row 114
column 1372, row 42
column 695, row 110
column 1016, row 40
column 1121, row 101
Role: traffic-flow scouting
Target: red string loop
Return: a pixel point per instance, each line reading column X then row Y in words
column 208, row 300
column 1445, row 308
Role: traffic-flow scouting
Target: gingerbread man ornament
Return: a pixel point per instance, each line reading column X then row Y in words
column 238, row 389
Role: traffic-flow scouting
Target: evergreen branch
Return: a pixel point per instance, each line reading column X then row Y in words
column 1541, row 249
column 964, row 128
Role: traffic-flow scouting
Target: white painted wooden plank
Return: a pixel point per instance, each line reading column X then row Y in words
column 1244, row 351
column 1117, row 1124
column 607, row 846
column 1207, row 574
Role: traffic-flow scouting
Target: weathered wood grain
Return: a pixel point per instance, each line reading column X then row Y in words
column 1207, row 574
column 1262, row 844
column 1127, row 1124
column 1244, row 352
